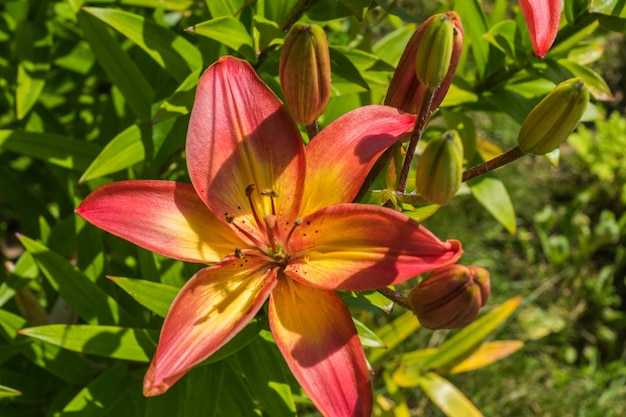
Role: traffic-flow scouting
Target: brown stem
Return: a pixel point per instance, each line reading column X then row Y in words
column 312, row 130
column 395, row 297
column 371, row 176
column 295, row 13
column 494, row 163
column 423, row 114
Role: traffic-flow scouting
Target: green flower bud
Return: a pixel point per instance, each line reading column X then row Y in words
column 450, row 297
column 405, row 90
column 304, row 72
column 434, row 51
column 440, row 168
column 554, row 118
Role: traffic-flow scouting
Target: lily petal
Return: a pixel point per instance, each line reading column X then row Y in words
column 210, row 309
column 363, row 247
column 165, row 217
column 240, row 134
column 341, row 155
column 315, row 333
column 542, row 18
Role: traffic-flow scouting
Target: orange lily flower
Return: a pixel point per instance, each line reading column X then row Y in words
column 542, row 18
column 274, row 220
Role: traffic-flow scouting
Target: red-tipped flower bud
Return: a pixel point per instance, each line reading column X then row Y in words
column 542, row 19
column 440, row 168
column 405, row 90
column 450, row 297
column 554, row 118
column 304, row 72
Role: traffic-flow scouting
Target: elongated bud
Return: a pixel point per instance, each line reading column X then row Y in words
column 304, row 72
column 405, row 90
column 440, row 168
column 542, row 19
column 450, row 297
column 554, row 118
column 434, row 52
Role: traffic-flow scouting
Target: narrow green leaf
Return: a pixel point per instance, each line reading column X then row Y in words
column 66, row 365
column 367, row 336
column 267, row 375
column 472, row 11
column 8, row 392
column 357, row 7
column 97, row 398
column 89, row 301
column 154, row 296
column 109, row 341
column 616, row 8
column 491, row 194
column 486, row 354
column 598, row 88
column 393, row 333
column 172, row 52
column 123, row 151
column 58, row 150
column 180, row 102
column 466, row 340
column 33, row 47
column 118, row 66
column 229, row 31
column 24, row 271
column 341, row 65
column 447, row 397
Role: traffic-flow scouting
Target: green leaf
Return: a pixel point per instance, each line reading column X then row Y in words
column 109, row 341
column 391, row 46
column 393, row 333
column 598, row 88
column 502, row 36
column 229, row 31
column 66, row 365
column 486, row 354
column 357, row 7
column 491, row 194
column 367, row 336
column 97, row 398
column 180, row 102
column 472, row 11
column 267, row 375
column 117, row 65
column 341, row 65
column 54, row 149
column 447, row 397
column 8, row 392
column 466, row 340
column 616, row 8
column 154, row 296
column 33, row 47
column 89, row 301
column 172, row 52
column 24, row 271
column 123, row 151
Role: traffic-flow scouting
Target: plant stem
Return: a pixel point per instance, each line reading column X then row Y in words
column 295, row 13
column 395, row 297
column 423, row 114
column 312, row 130
column 494, row 163
column 371, row 176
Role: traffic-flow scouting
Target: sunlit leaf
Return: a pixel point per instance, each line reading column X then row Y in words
column 33, row 46
column 228, row 31
column 172, row 52
column 180, row 102
column 466, row 340
column 598, row 88
column 154, row 296
column 486, row 354
column 491, row 194
column 123, row 151
column 109, row 341
column 8, row 392
column 367, row 336
column 394, row 333
column 447, row 397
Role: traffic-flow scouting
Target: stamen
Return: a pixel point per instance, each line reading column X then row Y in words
column 270, row 222
column 271, row 194
column 296, row 223
column 239, row 253
column 249, row 190
column 229, row 218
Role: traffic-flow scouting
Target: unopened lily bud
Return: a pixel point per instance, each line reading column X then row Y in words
column 554, row 118
column 434, row 52
column 450, row 297
column 440, row 168
column 304, row 72
column 405, row 90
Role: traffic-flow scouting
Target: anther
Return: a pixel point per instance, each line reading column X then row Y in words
column 296, row 223
column 239, row 253
column 271, row 194
column 230, row 217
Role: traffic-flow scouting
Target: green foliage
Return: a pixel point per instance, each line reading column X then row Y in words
column 98, row 91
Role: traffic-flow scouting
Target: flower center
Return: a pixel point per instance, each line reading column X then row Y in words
column 274, row 247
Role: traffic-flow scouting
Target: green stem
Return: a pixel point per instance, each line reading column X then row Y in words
column 312, row 130
column 295, row 14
